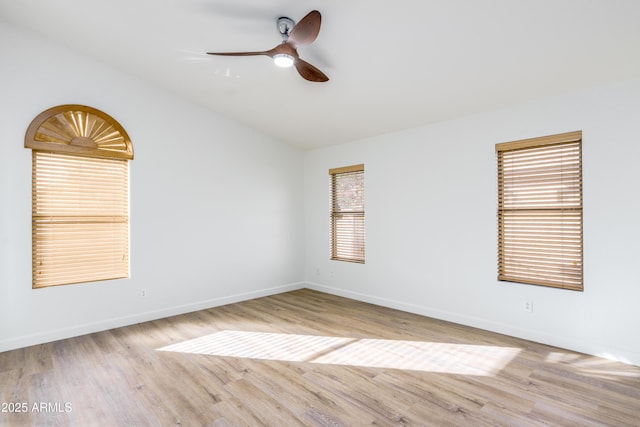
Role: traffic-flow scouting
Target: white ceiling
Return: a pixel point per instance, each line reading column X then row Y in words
column 391, row 64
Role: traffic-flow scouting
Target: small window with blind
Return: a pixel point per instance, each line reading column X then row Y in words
column 347, row 213
column 80, row 196
column 540, row 211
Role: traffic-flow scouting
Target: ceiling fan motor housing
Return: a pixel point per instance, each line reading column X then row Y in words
column 285, row 25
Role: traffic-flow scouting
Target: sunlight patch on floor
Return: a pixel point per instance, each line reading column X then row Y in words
column 439, row 357
column 594, row 366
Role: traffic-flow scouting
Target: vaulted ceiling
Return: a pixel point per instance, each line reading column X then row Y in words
column 392, row 65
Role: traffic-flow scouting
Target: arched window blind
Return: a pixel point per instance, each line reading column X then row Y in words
column 80, row 196
column 540, row 211
column 347, row 213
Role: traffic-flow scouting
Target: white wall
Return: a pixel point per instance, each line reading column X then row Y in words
column 216, row 208
column 431, row 223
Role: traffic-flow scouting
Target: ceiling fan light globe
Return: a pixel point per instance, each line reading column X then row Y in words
column 283, row 60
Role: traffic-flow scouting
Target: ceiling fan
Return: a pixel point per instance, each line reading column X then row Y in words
column 286, row 53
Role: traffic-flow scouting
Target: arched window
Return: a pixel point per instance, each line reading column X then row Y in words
column 80, row 196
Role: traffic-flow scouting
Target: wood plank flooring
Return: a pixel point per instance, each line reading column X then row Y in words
column 305, row 358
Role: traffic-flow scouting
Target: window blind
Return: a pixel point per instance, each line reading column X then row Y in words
column 80, row 220
column 347, row 213
column 540, row 211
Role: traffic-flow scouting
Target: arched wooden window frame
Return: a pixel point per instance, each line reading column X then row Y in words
column 81, row 130
column 80, row 196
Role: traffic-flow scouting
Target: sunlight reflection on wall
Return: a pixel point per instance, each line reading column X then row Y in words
column 375, row 353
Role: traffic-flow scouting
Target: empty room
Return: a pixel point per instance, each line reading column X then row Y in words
column 283, row 213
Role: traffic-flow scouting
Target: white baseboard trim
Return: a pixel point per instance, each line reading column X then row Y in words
column 102, row 325
column 570, row 343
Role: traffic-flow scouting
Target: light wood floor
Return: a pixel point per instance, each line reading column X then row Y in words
column 308, row 358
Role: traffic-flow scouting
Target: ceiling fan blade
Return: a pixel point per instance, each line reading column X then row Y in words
column 306, row 31
column 268, row 53
column 309, row 72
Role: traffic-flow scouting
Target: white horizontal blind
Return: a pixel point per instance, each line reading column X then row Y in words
column 347, row 213
column 80, row 215
column 540, row 211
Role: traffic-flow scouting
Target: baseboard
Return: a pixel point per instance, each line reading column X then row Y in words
column 87, row 328
column 570, row 343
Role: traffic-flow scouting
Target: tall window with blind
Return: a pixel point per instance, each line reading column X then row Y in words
column 540, row 211
column 80, row 196
column 347, row 213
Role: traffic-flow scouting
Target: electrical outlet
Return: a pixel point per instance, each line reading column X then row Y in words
column 527, row 305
